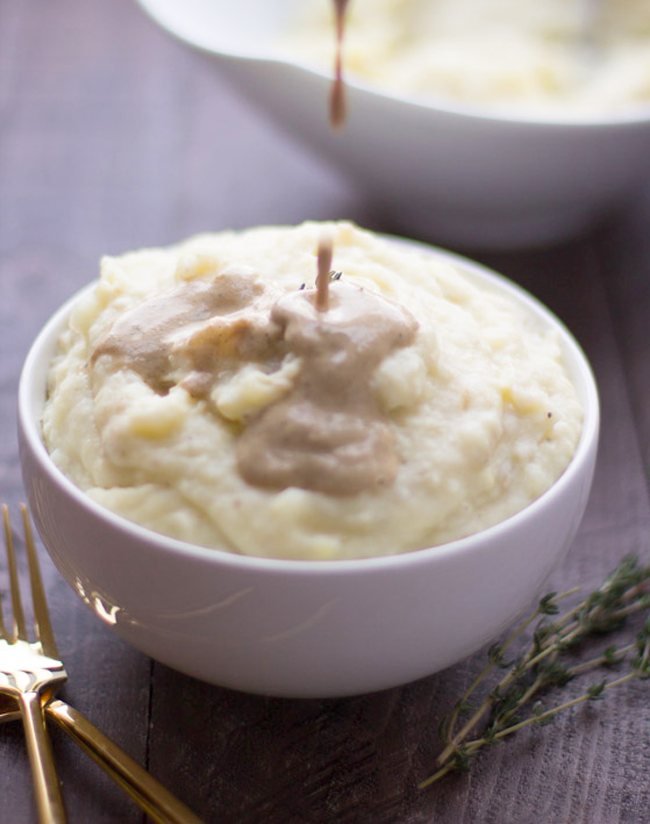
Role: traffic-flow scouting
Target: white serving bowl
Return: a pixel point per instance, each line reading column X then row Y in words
column 302, row 628
column 453, row 173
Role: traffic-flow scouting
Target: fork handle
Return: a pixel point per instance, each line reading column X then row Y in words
column 49, row 803
column 157, row 801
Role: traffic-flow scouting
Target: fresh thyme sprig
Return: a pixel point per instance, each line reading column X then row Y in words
column 509, row 705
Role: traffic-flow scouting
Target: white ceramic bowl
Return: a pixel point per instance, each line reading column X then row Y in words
column 302, row 628
column 455, row 174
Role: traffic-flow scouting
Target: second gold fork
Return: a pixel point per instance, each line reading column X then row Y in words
column 29, row 670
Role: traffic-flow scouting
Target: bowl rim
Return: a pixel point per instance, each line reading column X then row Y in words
column 632, row 115
column 31, row 397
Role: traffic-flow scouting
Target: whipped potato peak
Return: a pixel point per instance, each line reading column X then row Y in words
column 559, row 58
column 201, row 392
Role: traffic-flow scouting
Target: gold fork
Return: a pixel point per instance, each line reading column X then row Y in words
column 154, row 799
column 30, row 672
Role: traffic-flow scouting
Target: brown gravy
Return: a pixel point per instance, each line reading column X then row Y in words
column 338, row 106
column 198, row 330
column 327, row 434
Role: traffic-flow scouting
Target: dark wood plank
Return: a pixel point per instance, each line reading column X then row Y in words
column 625, row 247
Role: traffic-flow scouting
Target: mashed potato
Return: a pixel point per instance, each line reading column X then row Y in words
column 568, row 58
column 480, row 412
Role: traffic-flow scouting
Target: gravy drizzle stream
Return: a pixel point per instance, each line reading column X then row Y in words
column 338, row 106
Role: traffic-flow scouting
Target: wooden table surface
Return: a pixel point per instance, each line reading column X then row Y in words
column 113, row 136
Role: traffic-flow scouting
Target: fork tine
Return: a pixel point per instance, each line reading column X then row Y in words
column 3, row 629
column 19, row 627
column 41, row 613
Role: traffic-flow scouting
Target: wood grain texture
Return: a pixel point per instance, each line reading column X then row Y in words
column 113, row 136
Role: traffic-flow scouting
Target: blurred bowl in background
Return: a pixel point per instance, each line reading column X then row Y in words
column 452, row 173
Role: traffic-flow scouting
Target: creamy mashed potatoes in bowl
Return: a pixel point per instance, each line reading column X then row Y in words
column 476, row 122
column 301, row 474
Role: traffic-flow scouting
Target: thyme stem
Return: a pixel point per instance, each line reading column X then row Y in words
column 579, row 669
column 484, row 707
column 624, row 593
